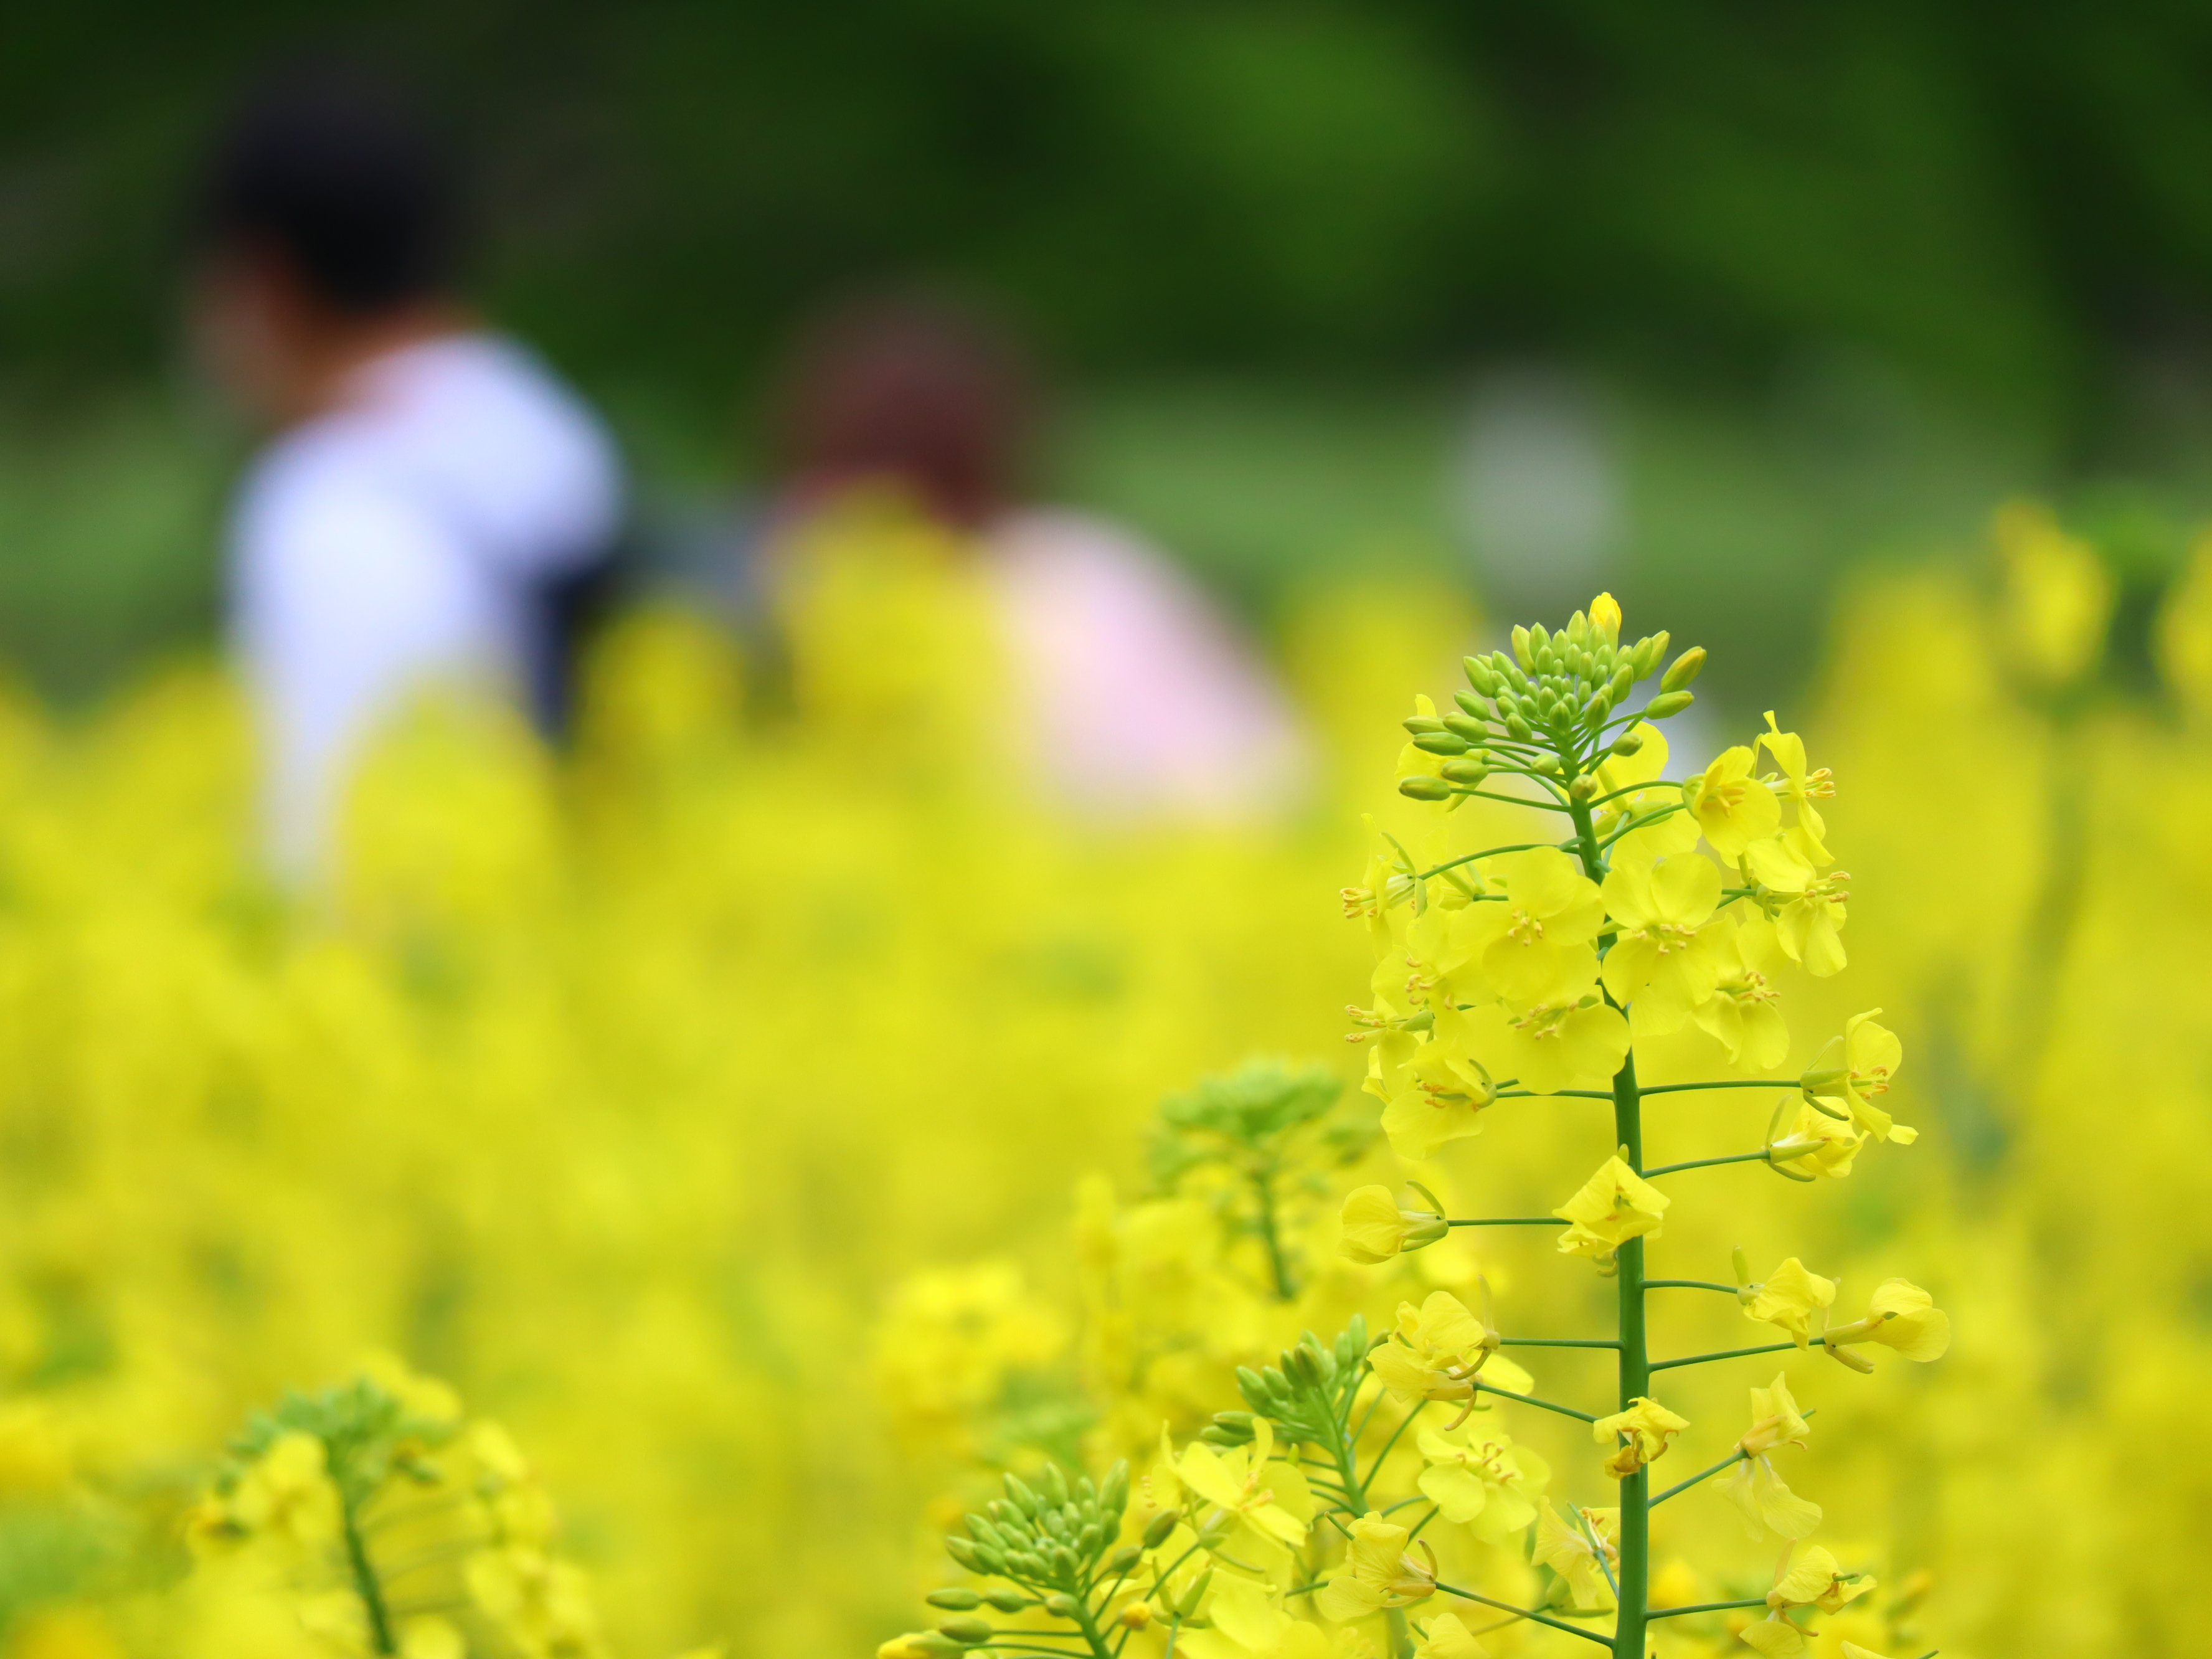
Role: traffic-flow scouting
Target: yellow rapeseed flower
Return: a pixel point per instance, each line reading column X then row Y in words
column 1377, row 1573
column 1643, row 1432
column 1671, row 947
column 1899, row 1315
column 1376, row 1228
column 1482, row 1481
column 1753, row 1486
column 1537, row 944
column 1582, row 1555
column 1614, row 1205
column 1789, row 1298
column 1733, row 808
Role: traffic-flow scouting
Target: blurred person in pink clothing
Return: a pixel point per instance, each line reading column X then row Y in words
column 1142, row 700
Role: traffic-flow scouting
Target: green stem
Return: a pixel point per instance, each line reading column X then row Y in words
column 1508, row 1221
column 1758, row 1157
column 1481, row 1387
column 1389, row 1446
column 1732, row 1458
column 1724, row 1353
column 1705, row 1607
column 1690, row 1284
column 1557, row 1342
column 365, row 1580
column 1526, row 1612
column 1635, row 1358
column 1721, row 1083
column 1286, row 1287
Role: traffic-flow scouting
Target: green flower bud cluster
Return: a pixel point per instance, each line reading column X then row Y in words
column 1545, row 706
column 1304, row 1394
column 1056, row 1537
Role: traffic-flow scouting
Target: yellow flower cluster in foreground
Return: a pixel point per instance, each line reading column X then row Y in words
column 629, row 1096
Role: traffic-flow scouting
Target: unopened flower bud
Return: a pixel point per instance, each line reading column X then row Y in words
column 1584, row 788
column 1471, row 704
column 1124, row 1560
column 1480, row 676
column 1467, row 771
column 1523, row 648
column 954, row 1601
column 1628, row 741
column 1518, row 728
column 1157, row 1528
column 1138, row 1615
column 1061, row 1605
column 1007, row 1600
column 1683, row 670
column 1422, row 786
column 1416, row 724
column 1440, row 743
column 1605, row 617
column 969, row 1633
column 1466, row 726
column 1664, row 706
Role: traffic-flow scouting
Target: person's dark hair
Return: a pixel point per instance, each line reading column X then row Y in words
column 912, row 391
column 331, row 168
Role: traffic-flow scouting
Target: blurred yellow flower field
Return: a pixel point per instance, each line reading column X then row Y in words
column 759, row 1123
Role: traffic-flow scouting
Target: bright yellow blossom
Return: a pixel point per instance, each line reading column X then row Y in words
column 1854, row 1069
column 1733, row 808
column 1614, row 1205
column 1377, row 1572
column 1376, row 1229
column 1267, row 1497
column 1537, row 944
column 1744, row 1014
column 1643, row 1432
column 1899, row 1315
column 1605, row 617
column 1441, row 1089
column 1671, row 947
column 1807, row 837
column 1753, row 1486
column 1482, row 1481
column 1815, row 1143
column 1548, row 1046
column 1789, row 1298
column 1434, row 1352
column 1583, row 1554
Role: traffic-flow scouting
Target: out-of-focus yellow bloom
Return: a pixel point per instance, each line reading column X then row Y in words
column 1899, row 1315
column 1583, row 1555
column 2058, row 596
column 1537, row 944
column 1482, row 1481
column 1671, row 948
column 1789, row 1298
column 1376, row 1228
column 1269, row 1497
column 1377, row 1573
column 1246, row 1620
column 1733, row 808
column 1547, row 1046
column 1644, row 1433
column 1448, row 1638
column 1614, row 1205
column 1766, row 1504
column 1809, row 1579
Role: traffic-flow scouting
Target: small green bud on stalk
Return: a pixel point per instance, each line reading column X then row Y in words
column 969, row 1633
column 1584, row 788
column 954, row 1601
column 1683, row 670
column 967, row 1554
column 1668, row 704
column 1466, row 726
column 1480, row 676
column 1061, row 1605
column 1440, row 743
column 1157, row 1528
column 1006, row 1600
column 1523, row 648
column 1416, row 724
column 1467, row 771
column 1518, row 728
column 1628, row 741
column 1471, row 704
column 1124, row 1560
column 1422, row 786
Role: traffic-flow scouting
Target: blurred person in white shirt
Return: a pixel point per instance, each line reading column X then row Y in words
column 432, row 506
column 1142, row 701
